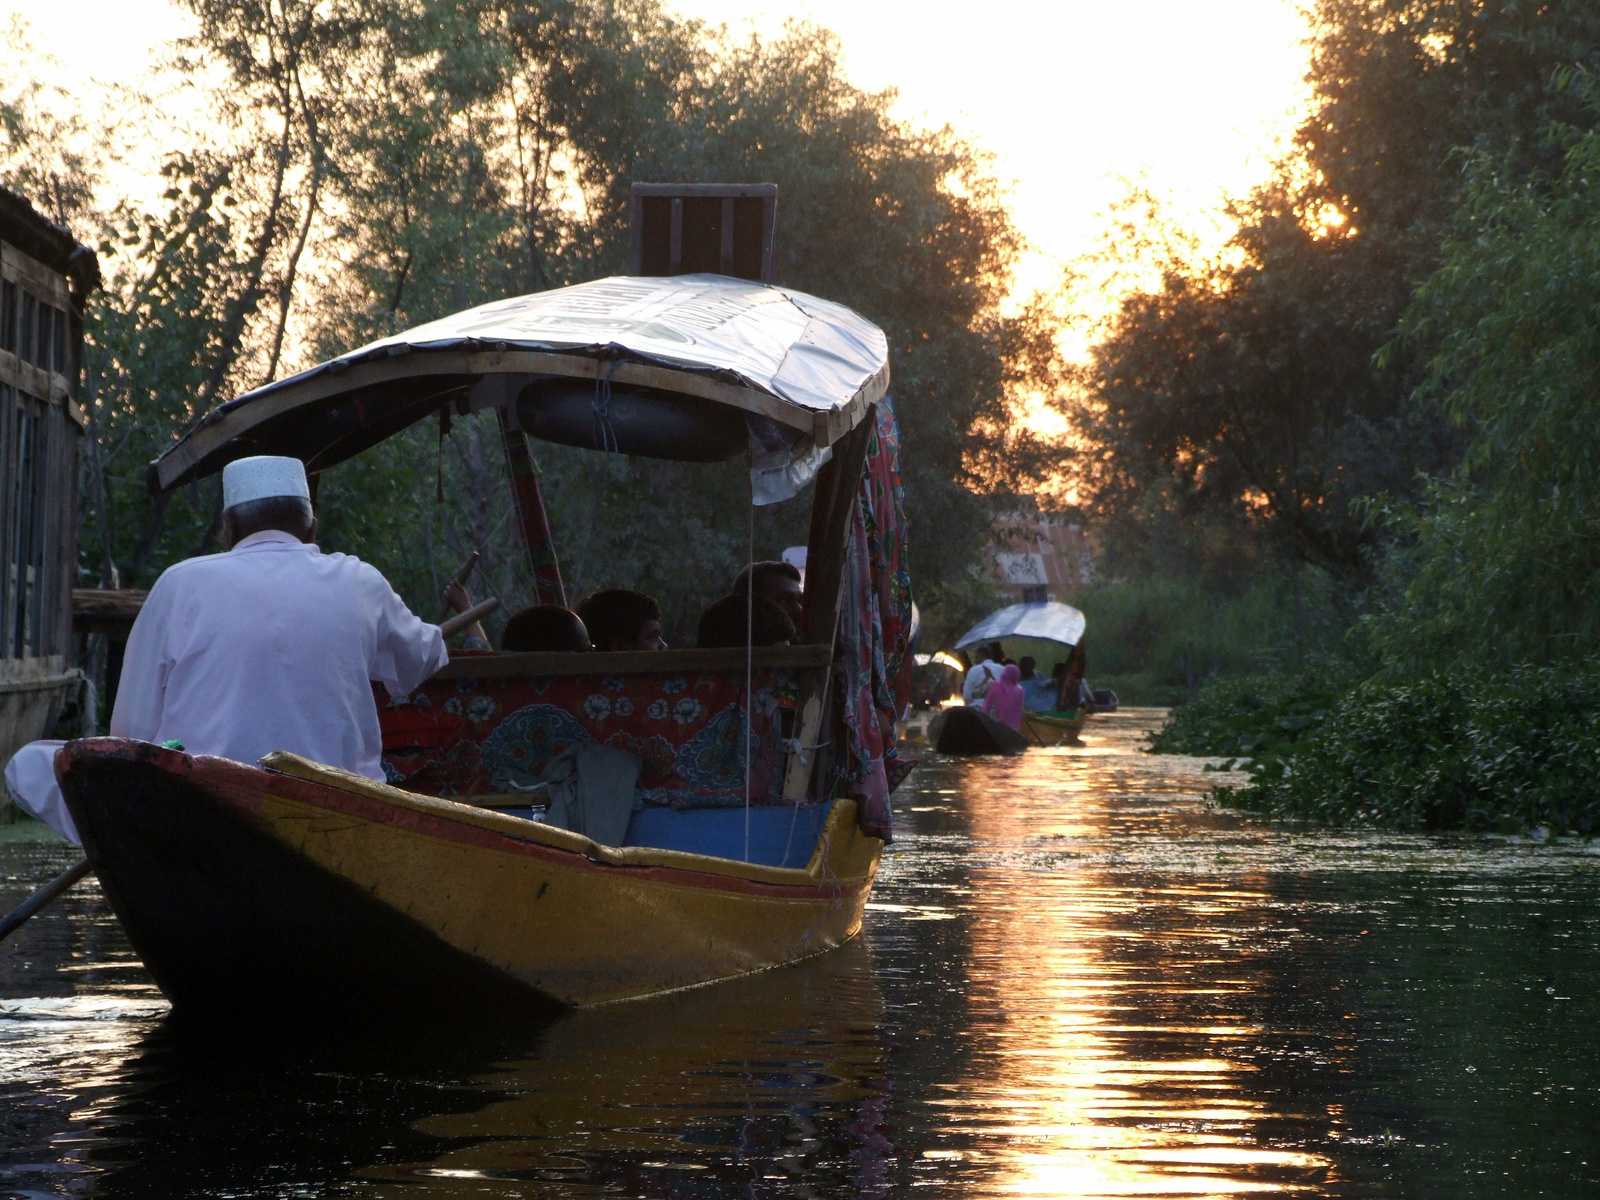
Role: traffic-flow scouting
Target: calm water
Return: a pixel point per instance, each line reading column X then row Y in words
column 1077, row 979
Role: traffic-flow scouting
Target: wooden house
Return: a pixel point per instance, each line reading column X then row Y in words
column 45, row 276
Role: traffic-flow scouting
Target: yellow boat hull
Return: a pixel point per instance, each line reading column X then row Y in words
column 365, row 878
column 1054, row 729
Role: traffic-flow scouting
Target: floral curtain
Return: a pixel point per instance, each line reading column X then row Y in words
column 875, row 630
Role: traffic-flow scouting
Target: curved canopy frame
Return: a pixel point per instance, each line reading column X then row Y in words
column 808, row 365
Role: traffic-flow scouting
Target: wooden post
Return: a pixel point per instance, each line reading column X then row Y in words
column 838, row 486
column 532, row 516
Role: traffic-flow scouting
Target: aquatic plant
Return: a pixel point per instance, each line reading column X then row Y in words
column 1469, row 748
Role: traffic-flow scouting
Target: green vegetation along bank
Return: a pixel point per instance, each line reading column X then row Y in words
column 1470, row 748
column 1385, row 387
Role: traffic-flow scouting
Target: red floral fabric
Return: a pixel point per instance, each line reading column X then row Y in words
column 875, row 630
column 464, row 737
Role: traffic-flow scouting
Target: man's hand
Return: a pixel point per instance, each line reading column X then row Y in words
column 456, row 596
column 459, row 600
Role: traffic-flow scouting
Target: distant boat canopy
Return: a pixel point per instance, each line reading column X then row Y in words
column 1050, row 621
column 694, row 368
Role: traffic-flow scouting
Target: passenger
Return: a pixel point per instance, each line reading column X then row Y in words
column 1004, row 701
column 544, row 627
column 620, row 619
column 1069, row 677
column 778, row 582
column 985, row 671
column 1039, row 693
column 726, row 622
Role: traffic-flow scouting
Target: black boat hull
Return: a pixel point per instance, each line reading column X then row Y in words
column 965, row 732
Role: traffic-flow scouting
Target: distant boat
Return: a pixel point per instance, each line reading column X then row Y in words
column 1046, row 621
column 1054, row 728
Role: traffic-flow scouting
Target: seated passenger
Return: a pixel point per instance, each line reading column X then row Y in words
column 1039, row 693
column 620, row 619
column 727, row 621
column 778, row 582
column 1003, row 701
column 985, row 670
column 544, row 627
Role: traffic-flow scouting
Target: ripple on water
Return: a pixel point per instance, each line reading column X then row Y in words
column 1078, row 978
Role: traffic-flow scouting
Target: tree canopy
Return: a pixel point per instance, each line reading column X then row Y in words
column 1248, row 392
column 380, row 164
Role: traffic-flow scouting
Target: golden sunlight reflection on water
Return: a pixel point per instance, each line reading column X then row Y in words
column 1071, row 1089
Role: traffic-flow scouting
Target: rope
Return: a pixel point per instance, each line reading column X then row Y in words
column 749, row 666
column 601, row 405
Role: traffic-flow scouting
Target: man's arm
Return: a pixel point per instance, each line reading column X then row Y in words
column 142, row 690
column 409, row 649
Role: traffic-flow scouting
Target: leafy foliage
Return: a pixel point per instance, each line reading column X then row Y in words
column 1260, row 718
column 1467, row 748
column 1243, row 393
column 1504, row 556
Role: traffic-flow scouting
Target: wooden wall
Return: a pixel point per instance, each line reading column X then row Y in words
column 40, row 428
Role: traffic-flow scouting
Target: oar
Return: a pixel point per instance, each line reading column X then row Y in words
column 18, row 917
column 476, row 613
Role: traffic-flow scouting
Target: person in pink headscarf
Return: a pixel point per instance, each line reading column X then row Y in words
column 1004, row 701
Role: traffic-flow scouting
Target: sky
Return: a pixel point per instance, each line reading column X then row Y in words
column 1075, row 98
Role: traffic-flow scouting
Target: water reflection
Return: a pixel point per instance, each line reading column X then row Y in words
column 1077, row 979
column 776, row 1082
column 1107, row 1057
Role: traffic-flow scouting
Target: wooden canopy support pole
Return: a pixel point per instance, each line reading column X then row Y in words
column 838, row 485
column 532, row 516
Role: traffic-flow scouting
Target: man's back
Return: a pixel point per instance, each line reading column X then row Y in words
column 272, row 646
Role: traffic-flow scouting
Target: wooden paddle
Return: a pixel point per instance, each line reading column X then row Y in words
column 15, row 919
column 476, row 613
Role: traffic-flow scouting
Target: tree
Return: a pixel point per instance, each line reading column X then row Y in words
column 1246, row 391
column 382, row 164
column 1504, row 557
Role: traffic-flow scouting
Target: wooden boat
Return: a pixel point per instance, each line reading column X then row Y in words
column 281, row 886
column 964, row 731
column 290, row 883
column 1054, row 728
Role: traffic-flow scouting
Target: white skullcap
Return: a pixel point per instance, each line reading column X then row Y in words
column 263, row 477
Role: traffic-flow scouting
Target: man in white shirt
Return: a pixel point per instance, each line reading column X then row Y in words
column 270, row 646
column 983, row 673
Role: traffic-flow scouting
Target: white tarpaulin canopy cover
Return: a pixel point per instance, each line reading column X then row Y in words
column 801, row 370
column 813, row 353
column 1051, row 621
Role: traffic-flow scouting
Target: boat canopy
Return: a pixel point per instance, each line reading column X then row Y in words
column 1051, row 621
column 690, row 367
